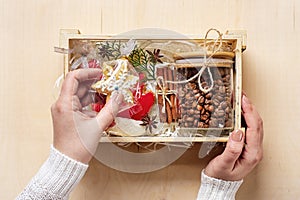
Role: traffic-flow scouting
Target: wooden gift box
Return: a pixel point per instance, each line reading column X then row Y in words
column 237, row 39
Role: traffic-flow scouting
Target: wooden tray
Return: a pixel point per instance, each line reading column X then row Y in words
column 237, row 38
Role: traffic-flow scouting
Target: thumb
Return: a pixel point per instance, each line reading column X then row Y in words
column 106, row 116
column 233, row 148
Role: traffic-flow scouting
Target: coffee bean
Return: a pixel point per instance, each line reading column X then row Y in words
column 194, row 104
column 221, row 113
column 220, row 98
column 200, row 124
column 203, row 84
column 204, row 117
column 201, row 99
column 197, row 112
column 206, row 106
column 195, row 123
column 181, row 94
column 190, row 112
column 208, row 96
column 222, row 89
column 183, row 111
column 196, row 91
column 189, row 119
column 187, row 104
column 188, row 96
column 199, row 107
column 216, row 102
column 219, row 82
column 213, row 122
column 223, row 105
column 192, row 86
column 206, row 87
column 211, row 108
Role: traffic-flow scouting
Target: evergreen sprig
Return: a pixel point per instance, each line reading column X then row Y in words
column 143, row 62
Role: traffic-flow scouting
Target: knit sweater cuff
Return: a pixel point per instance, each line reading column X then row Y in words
column 57, row 177
column 215, row 189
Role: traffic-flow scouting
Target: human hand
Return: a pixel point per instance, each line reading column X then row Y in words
column 238, row 160
column 77, row 132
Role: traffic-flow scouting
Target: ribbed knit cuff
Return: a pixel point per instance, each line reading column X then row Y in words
column 216, row 189
column 56, row 178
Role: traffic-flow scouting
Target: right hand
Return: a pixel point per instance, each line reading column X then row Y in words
column 243, row 151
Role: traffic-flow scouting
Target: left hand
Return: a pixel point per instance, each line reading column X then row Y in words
column 77, row 132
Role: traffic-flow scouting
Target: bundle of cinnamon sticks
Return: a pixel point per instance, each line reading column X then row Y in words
column 167, row 97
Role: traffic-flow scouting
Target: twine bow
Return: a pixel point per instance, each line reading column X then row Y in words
column 206, row 63
column 161, row 84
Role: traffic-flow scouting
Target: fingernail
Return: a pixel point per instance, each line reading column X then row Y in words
column 245, row 99
column 117, row 97
column 236, row 135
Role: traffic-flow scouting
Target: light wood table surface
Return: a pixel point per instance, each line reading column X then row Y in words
column 30, row 29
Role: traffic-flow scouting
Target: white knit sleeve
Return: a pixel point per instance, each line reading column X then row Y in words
column 55, row 179
column 216, row 189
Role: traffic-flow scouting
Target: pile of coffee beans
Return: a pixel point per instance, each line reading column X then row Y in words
column 205, row 110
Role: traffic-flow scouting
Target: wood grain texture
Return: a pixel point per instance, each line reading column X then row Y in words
column 29, row 67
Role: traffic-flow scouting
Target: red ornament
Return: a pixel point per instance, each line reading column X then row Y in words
column 97, row 107
column 93, row 64
column 141, row 107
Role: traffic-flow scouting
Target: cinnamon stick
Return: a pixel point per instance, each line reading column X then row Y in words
column 169, row 113
column 173, row 109
column 162, row 116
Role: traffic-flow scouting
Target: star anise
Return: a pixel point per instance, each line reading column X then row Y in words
column 155, row 56
column 109, row 49
column 105, row 52
column 149, row 123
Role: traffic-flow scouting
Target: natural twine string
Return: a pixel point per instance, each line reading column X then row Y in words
column 206, row 62
column 161, row 84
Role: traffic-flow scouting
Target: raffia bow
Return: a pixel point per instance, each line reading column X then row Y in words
column 164, row 92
